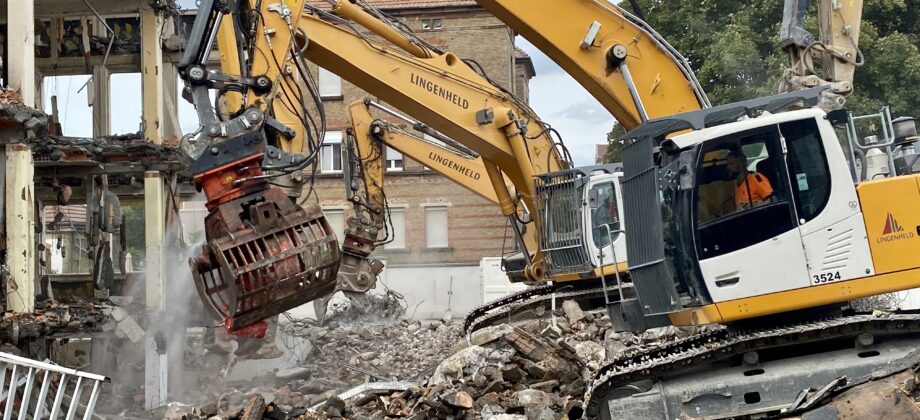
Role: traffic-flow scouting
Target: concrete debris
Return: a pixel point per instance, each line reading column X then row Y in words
column 573, row 311
column 386, row 368
column 61, row 317
column 375, row 309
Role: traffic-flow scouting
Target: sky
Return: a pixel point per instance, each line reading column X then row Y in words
column 563, row 103
column 556, row 97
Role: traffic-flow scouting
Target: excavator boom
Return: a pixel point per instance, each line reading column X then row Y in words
column 630, row 69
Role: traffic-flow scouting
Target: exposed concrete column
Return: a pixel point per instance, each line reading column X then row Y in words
column 155, row 230
column 155, row 363
column 171, row 99
column 20, row 228
column 21, row 39
column 152, row 83
column 99, row 100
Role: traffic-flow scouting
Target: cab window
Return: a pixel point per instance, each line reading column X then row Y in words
column 808, row 170
column 742, row 195
column 606, row 213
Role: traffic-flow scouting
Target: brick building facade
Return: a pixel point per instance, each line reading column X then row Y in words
column 437, row 222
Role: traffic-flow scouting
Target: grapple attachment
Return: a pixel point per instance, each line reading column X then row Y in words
column 264, row 253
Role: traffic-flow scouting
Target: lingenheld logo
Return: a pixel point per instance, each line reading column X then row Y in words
column 892, row 226
column 893, row 231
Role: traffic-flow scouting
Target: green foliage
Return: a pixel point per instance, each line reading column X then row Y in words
column 134, row 229
column 732, row 47
column 614, row 148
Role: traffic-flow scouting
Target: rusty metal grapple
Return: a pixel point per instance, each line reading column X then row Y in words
column 264, row 253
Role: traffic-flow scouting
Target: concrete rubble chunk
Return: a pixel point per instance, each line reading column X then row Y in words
column 458, row 399
column 573, row 311
column 591, row 353
column 293, row 373
column 489, row 334
column 118, row 314
column 129, row 327
column 532, row 397
column 472, row 359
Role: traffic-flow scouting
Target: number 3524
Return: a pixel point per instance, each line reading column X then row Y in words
column 826, row 277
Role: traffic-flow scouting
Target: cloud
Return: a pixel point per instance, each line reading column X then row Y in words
column 563, row 103
column 588, row 111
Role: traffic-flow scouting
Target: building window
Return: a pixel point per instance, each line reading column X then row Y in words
column 436, row 226
column 125, row 111
column 330, row 84
column 336, row 219
column 397, row 230
column 331, row 153
column 431, row 24
column 74, row 111
column 394, row 160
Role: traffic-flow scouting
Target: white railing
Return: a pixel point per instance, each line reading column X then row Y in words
column 30, row 389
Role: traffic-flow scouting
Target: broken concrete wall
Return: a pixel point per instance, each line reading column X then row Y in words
column 429, row 291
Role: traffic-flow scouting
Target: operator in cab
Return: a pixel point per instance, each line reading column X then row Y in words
column 751, row 188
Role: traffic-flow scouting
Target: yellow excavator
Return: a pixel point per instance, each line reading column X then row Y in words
column 235, row 274
column 265, row 80
column 753, row 216
column 698, row 255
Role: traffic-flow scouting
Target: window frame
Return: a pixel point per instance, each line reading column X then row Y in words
column 430, row 209
column 792, row 153
column 323, row 74
column 782, row 197
column 395, row 233
column 391, row 166
column 601, row 241
column 330, row 144
column 338, row 231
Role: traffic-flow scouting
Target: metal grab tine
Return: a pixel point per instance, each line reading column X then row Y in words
column 75, row 399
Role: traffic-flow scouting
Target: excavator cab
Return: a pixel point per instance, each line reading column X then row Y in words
column 755, row 212
column 580, row 212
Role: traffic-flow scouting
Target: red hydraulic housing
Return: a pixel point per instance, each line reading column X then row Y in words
column 264, row 253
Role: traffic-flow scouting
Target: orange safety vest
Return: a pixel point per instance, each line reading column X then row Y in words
column 755, row 188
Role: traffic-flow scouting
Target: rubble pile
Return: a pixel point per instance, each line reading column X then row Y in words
column 61, row 317
column 518, row 373
column 536, row 369
column 385, row 308
column 346, row 355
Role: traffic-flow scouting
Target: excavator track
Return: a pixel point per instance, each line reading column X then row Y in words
column 500, row 310
column 717, row 345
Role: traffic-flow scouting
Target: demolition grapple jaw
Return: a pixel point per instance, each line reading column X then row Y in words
column 264, row 253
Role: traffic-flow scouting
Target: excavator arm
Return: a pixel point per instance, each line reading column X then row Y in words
column 829, row 61
column 630, row 69
column 365, row 173
column 452, row 160
column 365, row 170
column 269, row 45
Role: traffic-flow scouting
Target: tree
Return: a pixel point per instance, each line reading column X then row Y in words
column 615, row 147
column 135, row 233
column 732, row 47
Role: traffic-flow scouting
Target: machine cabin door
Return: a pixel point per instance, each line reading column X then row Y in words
column 609, row 212
column 830, row 218
column 747, row 235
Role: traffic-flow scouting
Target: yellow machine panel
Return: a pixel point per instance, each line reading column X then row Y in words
column 889, row 209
